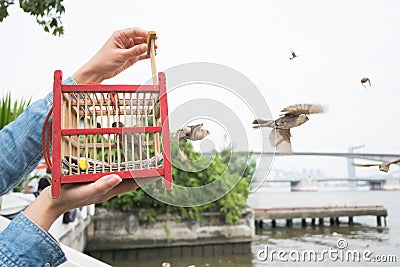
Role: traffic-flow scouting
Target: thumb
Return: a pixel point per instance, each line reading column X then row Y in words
column 105, row 184
column 137, row 50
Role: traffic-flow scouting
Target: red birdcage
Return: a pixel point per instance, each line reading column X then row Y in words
column 102, row 129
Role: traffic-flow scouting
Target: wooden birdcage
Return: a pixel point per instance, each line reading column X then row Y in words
column 102, row 129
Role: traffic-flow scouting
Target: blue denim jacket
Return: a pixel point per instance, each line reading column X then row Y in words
column 23, row 243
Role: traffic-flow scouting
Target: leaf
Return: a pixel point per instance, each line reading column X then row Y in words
column 11, row 110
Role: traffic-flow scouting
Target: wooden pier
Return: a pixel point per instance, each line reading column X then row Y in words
column 318, row 214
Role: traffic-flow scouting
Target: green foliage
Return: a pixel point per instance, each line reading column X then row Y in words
column 10, row 110
column 234, row 167
column 47, row 13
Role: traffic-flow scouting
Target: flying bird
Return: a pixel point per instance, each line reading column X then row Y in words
column 365, row 80
column 293, row 55
column 138, row 142
column 192, row 132
column 181, row 135
column 384, row 166
column 292, row 116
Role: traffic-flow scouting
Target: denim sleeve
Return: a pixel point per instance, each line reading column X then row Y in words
column 23, row 243
column 21, row 143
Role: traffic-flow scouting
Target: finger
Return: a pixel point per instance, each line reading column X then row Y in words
column 145, row 56
column 131, row 43
column 135, row 32
column 137, row 50
column 139, row 40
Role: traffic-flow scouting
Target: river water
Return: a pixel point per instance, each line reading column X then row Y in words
column 364, row 238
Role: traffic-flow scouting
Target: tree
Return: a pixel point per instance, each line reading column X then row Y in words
column 47, row 12
column 241, row 169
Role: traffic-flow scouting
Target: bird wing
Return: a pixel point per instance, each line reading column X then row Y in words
column 181, row 136
column 365, row 165
column 394, row 161
column 194, row 130
column 281, row 140
column 263, row 123
column 186, row 130
column 194, row 126
column 297, row 109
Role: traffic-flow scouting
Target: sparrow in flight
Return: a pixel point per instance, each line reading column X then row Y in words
column 192, row 132
column 293, row 55
column 292, row 116
column 384, row 166
column 365, row 80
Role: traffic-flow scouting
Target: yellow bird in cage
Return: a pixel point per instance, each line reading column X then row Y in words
column 83, row 164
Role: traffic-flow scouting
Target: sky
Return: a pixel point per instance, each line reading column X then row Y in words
column 337, row 42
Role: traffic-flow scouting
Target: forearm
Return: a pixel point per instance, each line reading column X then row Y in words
column 21, row 143
column 45, row 209
column 86, row 74
column 42, row 212
column 24, row 243
column 20, row 146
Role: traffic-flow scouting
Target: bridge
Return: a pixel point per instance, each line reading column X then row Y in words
column 323, row 180
column 380, row 157
column 312, row 184
column 368, row 156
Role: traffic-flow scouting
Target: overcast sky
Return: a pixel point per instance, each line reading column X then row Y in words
column 338, row 43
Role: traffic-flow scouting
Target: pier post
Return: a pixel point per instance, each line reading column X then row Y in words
column 384, row 220
column 321, row 221
column 351, row 222
column 332, row 221
column 313, row 221
column 303, row 222
column 289, row 222
column 273, row 223
column 337, row 222
column 378, row 220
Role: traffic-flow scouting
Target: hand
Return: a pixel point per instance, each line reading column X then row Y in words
column 123, row 49
column 45, row 209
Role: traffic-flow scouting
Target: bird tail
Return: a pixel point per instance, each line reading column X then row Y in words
column 257, row 123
